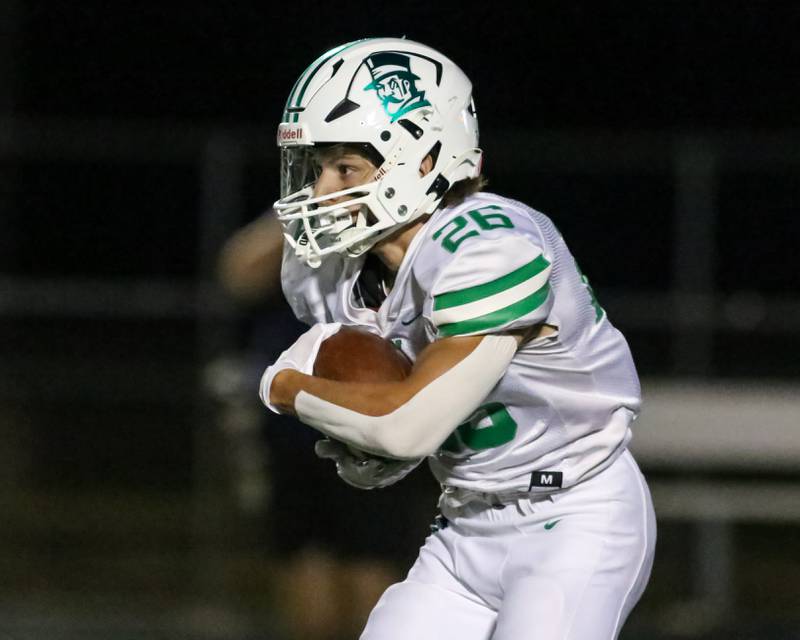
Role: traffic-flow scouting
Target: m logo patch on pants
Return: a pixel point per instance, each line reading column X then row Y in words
column 547, row 479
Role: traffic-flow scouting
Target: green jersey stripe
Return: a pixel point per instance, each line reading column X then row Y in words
column 499, row 317
column 471, row 294
column 492, row 303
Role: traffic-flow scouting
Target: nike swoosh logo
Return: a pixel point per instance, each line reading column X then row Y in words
column 405, row 323
column 550, row 525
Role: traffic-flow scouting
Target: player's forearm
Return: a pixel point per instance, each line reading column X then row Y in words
column 371, row 399
column 419, row 426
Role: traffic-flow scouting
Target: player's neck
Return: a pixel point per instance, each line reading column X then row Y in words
column 392, row 250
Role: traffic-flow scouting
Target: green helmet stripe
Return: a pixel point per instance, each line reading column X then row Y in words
column 319, row 60
column 289, row 99
column 317, row 65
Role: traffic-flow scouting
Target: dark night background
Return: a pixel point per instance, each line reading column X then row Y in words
column 662, row 138
column 674, row 68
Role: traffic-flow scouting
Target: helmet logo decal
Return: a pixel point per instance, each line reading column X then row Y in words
column 394, row 83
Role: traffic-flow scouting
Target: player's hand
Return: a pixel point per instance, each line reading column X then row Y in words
column 300, row 356
column 362, row 470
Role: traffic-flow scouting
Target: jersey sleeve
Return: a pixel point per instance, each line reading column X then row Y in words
column 491, row 284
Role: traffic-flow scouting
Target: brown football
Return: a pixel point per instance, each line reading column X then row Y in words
column 356, row 355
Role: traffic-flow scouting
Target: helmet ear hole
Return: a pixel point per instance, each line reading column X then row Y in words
column 433, row 154
column 426, row 166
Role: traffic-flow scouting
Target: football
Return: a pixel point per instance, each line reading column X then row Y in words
column 356, row 355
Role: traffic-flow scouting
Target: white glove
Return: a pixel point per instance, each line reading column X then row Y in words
column 362, row 470
column 300, row 356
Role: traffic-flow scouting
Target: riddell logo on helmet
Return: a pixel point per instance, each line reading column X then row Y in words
column 289, row 134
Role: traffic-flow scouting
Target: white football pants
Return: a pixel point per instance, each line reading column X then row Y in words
column 570, row 566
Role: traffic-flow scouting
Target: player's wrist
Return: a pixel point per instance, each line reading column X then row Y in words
column 284, row 389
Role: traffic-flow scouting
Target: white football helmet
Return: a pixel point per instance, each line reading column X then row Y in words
column 397, row 100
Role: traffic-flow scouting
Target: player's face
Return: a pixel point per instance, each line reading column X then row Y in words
column 341, row 171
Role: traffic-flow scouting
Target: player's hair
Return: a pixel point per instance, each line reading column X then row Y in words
column 462, row 189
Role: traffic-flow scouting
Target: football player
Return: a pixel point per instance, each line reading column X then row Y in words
column 522, row 392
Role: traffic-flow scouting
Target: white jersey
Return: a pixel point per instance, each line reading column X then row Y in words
column 562, row 410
